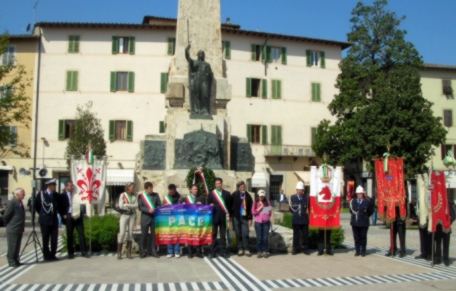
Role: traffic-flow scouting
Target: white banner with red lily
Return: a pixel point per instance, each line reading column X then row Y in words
column 90, row 183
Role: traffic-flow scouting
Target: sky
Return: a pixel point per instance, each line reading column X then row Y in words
column 430, row 24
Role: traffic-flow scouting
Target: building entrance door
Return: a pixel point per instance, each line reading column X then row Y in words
column 4, row 184
column 275, row 186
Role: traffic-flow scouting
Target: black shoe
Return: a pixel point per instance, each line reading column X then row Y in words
column 420, row 257
column 306, row 252
column 200, row 255
column 19, row 263
column 190, row 255
column 294, row 253
column 143, row 256
column 54, row 258
column 14, row 265
column 437, row 262
column 85, row 255
column 446, row 263
column 401, row 255
column 212, row 256
column 363, row 254
column 320, row 254
column 70, row 257
column 226, row 256
column 330, row 253
column 356, row 254
column 389, row 254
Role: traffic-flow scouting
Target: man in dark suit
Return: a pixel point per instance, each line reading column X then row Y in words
column 241, row 212
column 300, row 219
column 194, row 198
column 15, row 223
column 442, row 237
column 46, row 207
column 221, row 201
column 147, row 205
column 398, row 231
column 65, row 207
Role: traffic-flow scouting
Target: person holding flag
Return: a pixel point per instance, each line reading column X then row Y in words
column 147, row 202
column 194, row 198
column 221, row 201
column 173, row 197
column 127, row 204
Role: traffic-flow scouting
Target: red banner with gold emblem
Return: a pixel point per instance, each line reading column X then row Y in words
column 390, row 186
column 439, row 202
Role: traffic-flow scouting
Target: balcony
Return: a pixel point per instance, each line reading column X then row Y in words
column 288, row 151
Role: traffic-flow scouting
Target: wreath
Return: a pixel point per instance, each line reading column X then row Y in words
column 208, row 175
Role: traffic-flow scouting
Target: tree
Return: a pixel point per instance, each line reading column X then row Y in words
column 380, row 99
column 14, row 103
column 87, row 131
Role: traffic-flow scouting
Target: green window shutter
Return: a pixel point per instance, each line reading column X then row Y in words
column 171, row 42
column 163, row 82
column 264, row 89
column 253, row 50
column 132, row 45
column 279, row 89
column 70, row 44
column 76, row 44
column 112, row 130
column 264, row 134
column 313, row 135
column 68, row 80
column 227, row 50
column 314, row 97
column 248, row 87
column 249, row 132
column 263, row 53
column 73, row 44
column 273, row 134
column 322, row 59
column 273, row 89
column 161, row 128
column 113, row 83
column 115, row 45
column 131, row 81
column 318, row 93
column 269, row 53
column 61, row 129
column 279, row 135
column 74, row 79
column 129, row 130
column 284, row 55
column 309, row 58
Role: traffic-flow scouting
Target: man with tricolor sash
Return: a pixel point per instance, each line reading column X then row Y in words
column 172, row 198
column 194, row 198
column 221, row 201
column 148, row 201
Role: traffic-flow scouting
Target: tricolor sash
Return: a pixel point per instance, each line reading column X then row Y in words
column 221, row 202
column 190, row 199
column 128, row 198
column 168, row 200
column 146, row 198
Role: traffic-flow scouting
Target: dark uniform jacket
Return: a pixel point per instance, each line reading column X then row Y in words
column 236, row 205
column 145, row 214
column 219, row 215
column 63, row 204
column 198, row 198
column 364, row 210
column 295, row 202
column 14, row 216
column 174, row 199
column 49, row 199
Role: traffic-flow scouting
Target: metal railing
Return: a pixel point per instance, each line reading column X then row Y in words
column 288, row 150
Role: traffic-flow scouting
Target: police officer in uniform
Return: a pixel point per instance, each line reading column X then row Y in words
column 361, row 209
column 46, row 207
column 299, row 204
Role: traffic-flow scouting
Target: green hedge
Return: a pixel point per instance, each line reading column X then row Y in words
column 104, row 234
column 337, row 235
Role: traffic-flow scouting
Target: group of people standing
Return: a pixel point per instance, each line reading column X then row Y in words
column 238, row 210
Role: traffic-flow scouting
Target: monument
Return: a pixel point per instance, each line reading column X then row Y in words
column 197, row 125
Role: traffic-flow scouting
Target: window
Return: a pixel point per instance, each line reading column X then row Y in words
column 120, row 130
column 275, row 54
column 72, row 81
column 314, row 58
column 447, row 147
column 276, row 89
column 161, row 127
column 253, row 87
column 226, row 49
column 255, row 52
column 163, row 82
column 73, row 44
column 316, row 92
column 448, row 118
column 257, row 134
column 446, row 87
column 6, row 91
column 66, row 127
column 123, row 45
column 11, row 131
column 171, row 46
column 9, row 56
column 313, row 134
column 122, row 81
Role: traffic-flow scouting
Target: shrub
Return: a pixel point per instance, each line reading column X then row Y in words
column 337, row 235
column 104, row 234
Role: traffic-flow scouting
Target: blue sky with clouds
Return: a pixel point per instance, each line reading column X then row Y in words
column 431, row 25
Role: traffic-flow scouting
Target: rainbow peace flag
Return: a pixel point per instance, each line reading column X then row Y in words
column 183, row 224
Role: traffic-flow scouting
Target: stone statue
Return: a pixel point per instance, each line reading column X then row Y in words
column 200, row 80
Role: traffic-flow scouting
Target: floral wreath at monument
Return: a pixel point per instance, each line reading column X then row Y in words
column 325, row 174
column 209, row 177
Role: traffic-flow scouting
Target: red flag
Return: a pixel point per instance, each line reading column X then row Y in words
column 439, row 202
column 390, row 187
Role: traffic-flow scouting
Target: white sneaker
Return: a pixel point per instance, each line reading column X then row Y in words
column 169, row 256
column 178, row 256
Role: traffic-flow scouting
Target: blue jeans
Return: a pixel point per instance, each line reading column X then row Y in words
column 174, row 249
column 262, row 233
column 374, row 218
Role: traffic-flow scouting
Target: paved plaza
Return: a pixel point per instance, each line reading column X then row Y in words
column 343, row 271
